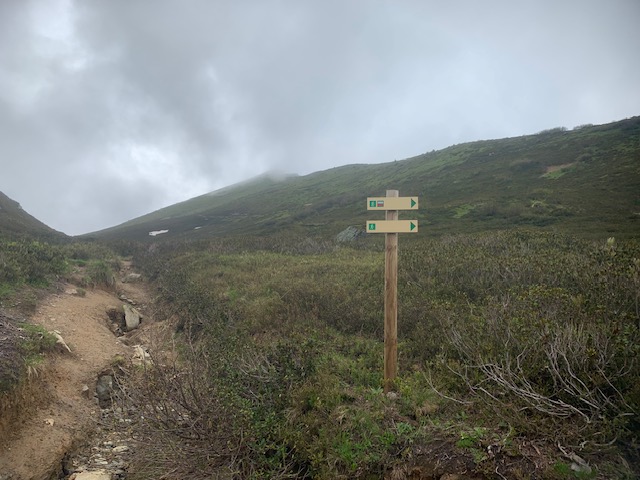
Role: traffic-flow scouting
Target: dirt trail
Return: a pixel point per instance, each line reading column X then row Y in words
column 36, row 446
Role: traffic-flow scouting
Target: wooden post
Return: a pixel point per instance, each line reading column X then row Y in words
column 391, row 302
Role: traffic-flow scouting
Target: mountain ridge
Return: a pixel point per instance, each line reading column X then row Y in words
column 584, row 181
column 16, row 222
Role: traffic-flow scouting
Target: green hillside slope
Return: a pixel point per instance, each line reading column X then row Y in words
column 15, row 222
column 585, row 181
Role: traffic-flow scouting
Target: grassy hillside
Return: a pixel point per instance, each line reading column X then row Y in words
column 15, row 222
column 585, row 181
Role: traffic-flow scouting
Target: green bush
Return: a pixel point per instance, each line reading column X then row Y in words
column 31, row 262
column 99, row 273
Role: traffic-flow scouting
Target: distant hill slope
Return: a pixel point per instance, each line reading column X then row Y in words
column 584, row 181
column 15, row 222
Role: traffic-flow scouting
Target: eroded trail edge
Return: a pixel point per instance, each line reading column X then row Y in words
column 68, row 415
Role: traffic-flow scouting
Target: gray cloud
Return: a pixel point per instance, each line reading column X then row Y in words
column 109, row 110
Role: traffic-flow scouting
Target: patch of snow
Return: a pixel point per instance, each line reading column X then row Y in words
column 197, row 228
column 157, row 232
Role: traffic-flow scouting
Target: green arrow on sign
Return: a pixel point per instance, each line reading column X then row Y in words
column 413, row 203
column 413, row 225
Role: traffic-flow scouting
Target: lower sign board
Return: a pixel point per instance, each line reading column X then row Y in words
column 392, row 226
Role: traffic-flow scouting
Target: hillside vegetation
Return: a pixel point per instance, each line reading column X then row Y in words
column 15, row 222
column 584, row 181
column 507, row 340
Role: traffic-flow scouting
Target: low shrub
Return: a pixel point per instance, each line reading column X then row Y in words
column 542, row 328
column 30, row 262
column 99, row 273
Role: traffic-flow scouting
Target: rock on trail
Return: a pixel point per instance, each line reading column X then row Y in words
column 132, row 317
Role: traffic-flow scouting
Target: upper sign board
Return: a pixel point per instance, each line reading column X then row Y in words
column 392, row 203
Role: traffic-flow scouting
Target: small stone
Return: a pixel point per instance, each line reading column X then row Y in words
column 104, row 388
column 120, row 449
column 392, row 395
column 140, row 356
column 50, row 422
column 95, row 475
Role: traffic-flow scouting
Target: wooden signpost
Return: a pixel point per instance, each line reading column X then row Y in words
column 391, row 226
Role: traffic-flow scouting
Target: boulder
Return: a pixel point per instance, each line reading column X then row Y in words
column 132, row 317
column 350, row 234
column 104, row 389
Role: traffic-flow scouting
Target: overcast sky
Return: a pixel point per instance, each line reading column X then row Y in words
column 110, row 109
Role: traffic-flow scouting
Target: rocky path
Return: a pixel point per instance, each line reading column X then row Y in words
column 39, row 447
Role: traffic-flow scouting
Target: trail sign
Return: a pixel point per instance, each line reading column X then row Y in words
column 392, row 203
column 392, row 226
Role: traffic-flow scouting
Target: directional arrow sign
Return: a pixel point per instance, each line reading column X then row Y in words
column 392, row 203
column 392, row 226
